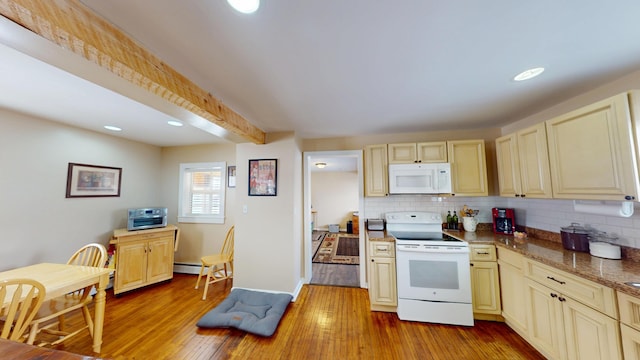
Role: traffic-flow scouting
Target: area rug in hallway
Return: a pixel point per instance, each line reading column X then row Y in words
column 338, row 248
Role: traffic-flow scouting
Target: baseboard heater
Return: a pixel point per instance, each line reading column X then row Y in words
column 186, row 268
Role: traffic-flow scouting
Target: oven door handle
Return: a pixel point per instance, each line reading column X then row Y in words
column 432, row 250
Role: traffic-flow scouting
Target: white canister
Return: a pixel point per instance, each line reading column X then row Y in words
column 469, row 223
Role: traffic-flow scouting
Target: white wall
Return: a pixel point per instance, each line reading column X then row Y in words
column 334, row 195
column 39, row 223
column 268, row 238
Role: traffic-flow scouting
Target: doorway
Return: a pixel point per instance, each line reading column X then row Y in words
column 316, row 229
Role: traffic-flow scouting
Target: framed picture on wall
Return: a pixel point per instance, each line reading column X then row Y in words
column 93, row 181
column 263, row 177
column 231, row 176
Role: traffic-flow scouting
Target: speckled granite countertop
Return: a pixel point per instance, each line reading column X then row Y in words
column 380, row 236
column 611, row 273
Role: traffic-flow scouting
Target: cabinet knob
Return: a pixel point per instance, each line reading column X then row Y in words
column 517, row 195
column 629, row 197
column 553, row 295
column 523, row 195
column 562, row 299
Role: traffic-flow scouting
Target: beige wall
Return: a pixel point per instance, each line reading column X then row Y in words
column 334, row 195
column 196, row 240
column 268, row 246
column 39, row 223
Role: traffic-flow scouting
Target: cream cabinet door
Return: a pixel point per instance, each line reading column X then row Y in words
column 512, row 288
column 508, row 166
column 376, row 171
column 405, row 153
column 432, row 152
column 591, row 152
column 485, row 287
column 523, row 163
column 534, row 162
column 545, row 320
column 468, row 167
column 630, row 342
column 424, row 152
column 382, row 275
column 589, row 334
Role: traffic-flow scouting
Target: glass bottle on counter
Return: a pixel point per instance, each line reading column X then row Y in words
column 454, row 220
column 449, row 219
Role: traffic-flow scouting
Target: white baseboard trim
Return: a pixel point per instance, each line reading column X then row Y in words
column 184, row 268
column 295, row 293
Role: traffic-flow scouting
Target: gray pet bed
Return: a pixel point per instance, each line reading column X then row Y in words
column 252, row 311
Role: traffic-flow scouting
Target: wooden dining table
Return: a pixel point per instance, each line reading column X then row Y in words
column 61, row 279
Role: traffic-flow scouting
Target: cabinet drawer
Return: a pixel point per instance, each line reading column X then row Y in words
column 629, row 310
column 382, row 249
column 482, row 253
column 146, row 236
column 589, row 293
column 510, row 257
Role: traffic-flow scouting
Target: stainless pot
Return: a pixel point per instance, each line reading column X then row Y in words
column 575, row 238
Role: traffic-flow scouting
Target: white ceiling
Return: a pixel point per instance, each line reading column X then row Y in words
column 342, row 68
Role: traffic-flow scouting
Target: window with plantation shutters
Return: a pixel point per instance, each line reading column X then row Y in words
column 202, row 188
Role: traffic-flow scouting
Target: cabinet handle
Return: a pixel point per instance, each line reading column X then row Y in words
column 554, row 295
column 629, row 197
column 517, row 195
column 558, row 281
column 562, row 299
column 483, row 253
column 470, row 264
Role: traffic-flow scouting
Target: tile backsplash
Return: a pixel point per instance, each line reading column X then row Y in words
column 549, row 215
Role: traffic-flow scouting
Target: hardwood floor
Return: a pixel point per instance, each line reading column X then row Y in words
column 332, row 274
column 325, row 322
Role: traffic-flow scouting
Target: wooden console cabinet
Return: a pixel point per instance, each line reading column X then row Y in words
column 143, row 257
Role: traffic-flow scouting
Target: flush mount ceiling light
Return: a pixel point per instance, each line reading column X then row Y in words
column 245, row 6
column 112, row 128
column 321, row 165
column 174, row 123
column 529, row 74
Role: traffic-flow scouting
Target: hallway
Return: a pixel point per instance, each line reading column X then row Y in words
column 332, row 274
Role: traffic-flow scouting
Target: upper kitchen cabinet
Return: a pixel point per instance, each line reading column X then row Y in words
column 592, row 152
column 426, row 152
column 523, row 163
column 468, row 167
column 375, row 170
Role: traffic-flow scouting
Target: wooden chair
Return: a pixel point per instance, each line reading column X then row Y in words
column 21, row 298
column 215, row 273
column 89, row 255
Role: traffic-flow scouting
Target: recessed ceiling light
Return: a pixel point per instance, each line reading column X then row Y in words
column 112, row 128
column 529, row 74
column 245, row 6
column 174, row 123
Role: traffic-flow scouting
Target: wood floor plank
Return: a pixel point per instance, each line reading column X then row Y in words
column 325, row 322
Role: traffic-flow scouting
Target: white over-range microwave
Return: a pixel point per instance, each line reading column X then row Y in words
column 423, row 178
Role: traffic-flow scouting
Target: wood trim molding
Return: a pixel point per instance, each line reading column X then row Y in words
column 73, row 26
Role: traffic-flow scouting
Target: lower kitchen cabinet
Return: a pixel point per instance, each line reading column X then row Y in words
column 512, row 289
column 544, row 317
column 485, row 285
column 383, row 294
column 629, row 325
column 560, row 326
column 143, row 257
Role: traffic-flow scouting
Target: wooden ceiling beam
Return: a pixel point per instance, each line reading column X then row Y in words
column 73, row 26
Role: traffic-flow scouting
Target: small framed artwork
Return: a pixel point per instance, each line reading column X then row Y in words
column 231, row 176
column 93, row 181
column 263, row 177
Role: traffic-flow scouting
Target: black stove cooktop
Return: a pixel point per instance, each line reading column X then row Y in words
column 423, row 236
